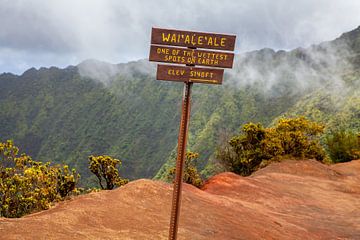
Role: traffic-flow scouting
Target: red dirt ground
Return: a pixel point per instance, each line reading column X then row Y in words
column 287, row 200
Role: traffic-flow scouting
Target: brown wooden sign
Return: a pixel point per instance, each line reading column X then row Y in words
column 193, row 39
column 191, row 56
column 160, row 51
column 189, row 74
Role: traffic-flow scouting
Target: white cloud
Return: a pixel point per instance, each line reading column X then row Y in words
column 63, row 32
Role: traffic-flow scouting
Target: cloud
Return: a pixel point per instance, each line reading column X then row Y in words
column 62, row 32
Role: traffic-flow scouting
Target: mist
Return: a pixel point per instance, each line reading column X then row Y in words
column 272, row 72
column 297, row 71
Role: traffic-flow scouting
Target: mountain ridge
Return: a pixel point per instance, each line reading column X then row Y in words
column 64, row 116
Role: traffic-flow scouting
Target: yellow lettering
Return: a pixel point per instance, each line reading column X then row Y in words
column 164, row 38
column 210, row 41
column 192, row 40
column 189, row 60
column 173, row 38
column 175, row 52
column 201, row 74
column 187, row 39
column 216, row 44
column 188, row 53
column 222, row 42
column 200, row 39
column 162, row 50
column 176, row 72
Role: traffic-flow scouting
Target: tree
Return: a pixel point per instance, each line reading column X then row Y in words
column 343, row 145
column 256, row 145
column 105, row 168
column 191, row 175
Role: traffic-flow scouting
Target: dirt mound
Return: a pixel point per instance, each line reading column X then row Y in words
column 287, row 200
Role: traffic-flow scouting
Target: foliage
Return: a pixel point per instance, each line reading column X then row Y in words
column 105, row 168
column 243, row 154
column 257, row 145
column 191, row 175
column 57, row 114
column 27, row 185
column 343, row 145
column 66, row 180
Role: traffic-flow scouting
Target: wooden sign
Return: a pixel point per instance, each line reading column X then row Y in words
column 189, row 74
column 192, row 39
column 191, row 56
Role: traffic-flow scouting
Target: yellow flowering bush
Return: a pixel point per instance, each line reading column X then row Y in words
column 256, row 145
column 27, row 185
column 105, row 169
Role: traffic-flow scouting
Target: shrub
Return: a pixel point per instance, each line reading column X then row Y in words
column 256, row 145
column 27, row 185
column 343, row 146
column 105, row 168
column 191, row 175
column 66, row 180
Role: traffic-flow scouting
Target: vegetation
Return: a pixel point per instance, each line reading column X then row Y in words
column 58, row 114
column 343, row 145
column 27, row 185
column 191, row 175
column 256, row 145
column 105, row 169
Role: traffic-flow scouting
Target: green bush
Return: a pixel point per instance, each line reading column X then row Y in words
column 256, row 145
column 105, row 169
column 343, row 146
column 27, row 185
column 66, row 180
column 191, row 175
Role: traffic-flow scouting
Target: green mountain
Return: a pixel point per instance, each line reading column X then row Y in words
column 65, row 115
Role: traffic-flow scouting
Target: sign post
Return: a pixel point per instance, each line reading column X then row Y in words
column 179, row 171
column 188, row 74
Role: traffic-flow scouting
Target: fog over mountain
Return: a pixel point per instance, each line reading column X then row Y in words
column 303, row 68
column 65, row 115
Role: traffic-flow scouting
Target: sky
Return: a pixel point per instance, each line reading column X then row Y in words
column 43, row 33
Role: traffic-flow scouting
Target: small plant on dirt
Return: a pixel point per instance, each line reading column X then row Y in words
column 106, row 170
column 191, row 175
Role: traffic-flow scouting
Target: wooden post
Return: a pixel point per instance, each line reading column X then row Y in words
column 180, row 160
